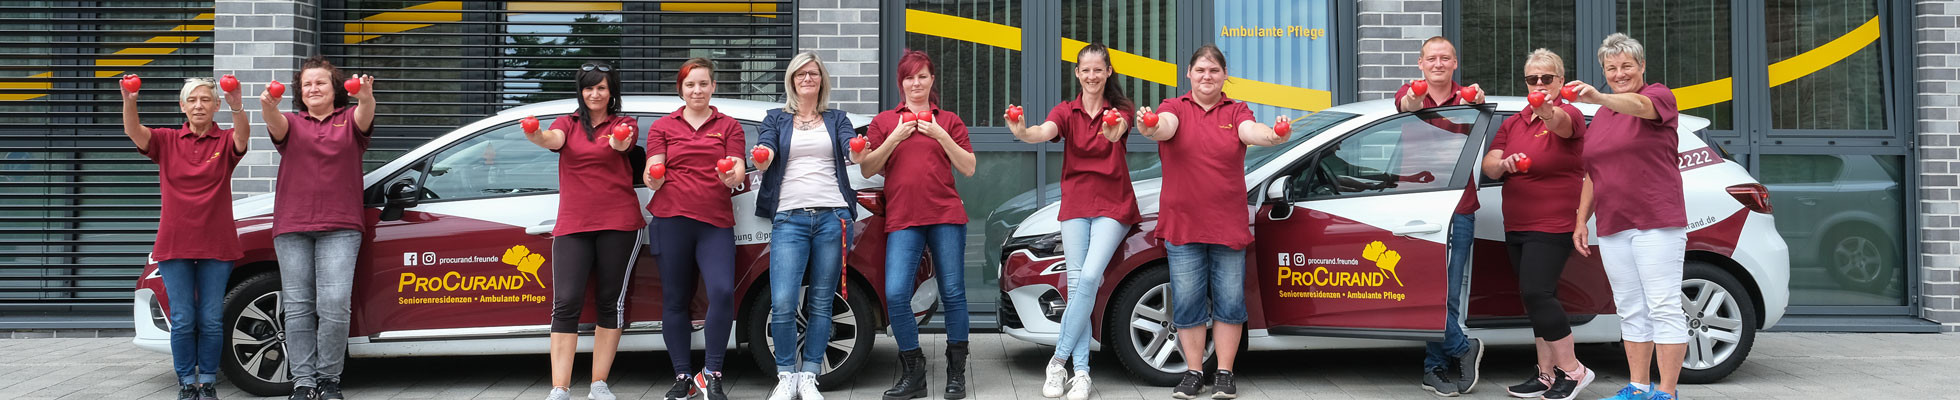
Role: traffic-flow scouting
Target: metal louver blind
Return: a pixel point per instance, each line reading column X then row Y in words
column 444, row 64
column 78, row 205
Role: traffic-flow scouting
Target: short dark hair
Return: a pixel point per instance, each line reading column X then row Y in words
column 340, row 96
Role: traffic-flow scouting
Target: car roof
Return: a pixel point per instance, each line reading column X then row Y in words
column 1378, row 109
column 742, row 109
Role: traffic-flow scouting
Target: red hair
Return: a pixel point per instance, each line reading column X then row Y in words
column 910, row 64
column 689, row 66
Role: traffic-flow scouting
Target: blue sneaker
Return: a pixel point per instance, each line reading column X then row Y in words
column 1633, row 392
column 1660, row 395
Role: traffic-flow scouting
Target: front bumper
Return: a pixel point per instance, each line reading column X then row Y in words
column 152, row 326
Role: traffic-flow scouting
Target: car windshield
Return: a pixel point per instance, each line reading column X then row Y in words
column 1303, row 128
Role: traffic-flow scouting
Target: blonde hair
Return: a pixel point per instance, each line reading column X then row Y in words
column 191, row 85
column 1619, row 43
column 1547, row 58
column 789, row 82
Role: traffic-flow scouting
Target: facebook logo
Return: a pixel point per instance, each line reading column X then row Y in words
column 409, row 259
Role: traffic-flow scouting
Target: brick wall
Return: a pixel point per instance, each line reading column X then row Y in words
column 1391, row 34
column 259, row 41
column 844, row 34
column 1937, row 92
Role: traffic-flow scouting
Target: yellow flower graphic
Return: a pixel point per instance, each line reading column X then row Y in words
column 525, row 261
column 1384, row 258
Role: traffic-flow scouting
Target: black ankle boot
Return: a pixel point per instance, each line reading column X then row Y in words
column 911, row 377
column 956, row 370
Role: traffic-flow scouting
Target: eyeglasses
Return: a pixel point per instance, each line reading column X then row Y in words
column 808, row 75
column 591, row 66
column 1545, row 79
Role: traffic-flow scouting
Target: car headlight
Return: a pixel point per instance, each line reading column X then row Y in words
column 1042, row 246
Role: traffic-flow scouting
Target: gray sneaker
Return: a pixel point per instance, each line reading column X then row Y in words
column 1438, row 381
column 559, row 394
column 208, row 391
column 1467, row 366
column 599, row 391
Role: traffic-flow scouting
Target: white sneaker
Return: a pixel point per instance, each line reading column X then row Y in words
column 1051, row 386
column 600, row 391
column 785, row 386
column 806, row 386
column 558, row 394
column 1078, row 387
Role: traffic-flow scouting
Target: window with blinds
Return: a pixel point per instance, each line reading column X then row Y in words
column 443, row 64
column 78, row 205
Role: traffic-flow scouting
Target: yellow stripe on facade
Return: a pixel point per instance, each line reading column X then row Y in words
column 1720, row 90
column 365, row 31
column 1164, row 73
column 43, row 85
column 723, row 7
column 1141, row 67
column 540, row 6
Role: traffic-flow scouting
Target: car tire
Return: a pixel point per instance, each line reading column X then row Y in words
column 254, row 357
column 1721, row 322
column 1138, row 327
column 853, row 320
column 1858, row 259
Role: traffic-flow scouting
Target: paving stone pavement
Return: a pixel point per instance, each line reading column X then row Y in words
column 1782, row 365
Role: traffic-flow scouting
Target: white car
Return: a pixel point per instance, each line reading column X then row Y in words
column 452, row 226
column 1318, row 274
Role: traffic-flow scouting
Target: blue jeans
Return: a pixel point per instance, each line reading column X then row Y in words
column 1463, row 230
column 1088, row 243
column 316, row 286
column 805, row 245
column 1204, row 273
column 196, row 290
column 947, row 243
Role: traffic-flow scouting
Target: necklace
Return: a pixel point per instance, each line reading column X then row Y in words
column 804, row 123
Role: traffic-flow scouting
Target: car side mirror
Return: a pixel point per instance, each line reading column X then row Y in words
column 1276, row 191
column 400, row 195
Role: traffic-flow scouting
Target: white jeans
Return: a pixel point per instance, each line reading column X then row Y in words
column 1644, row 267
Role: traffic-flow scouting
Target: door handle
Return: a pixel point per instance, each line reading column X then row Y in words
column 542, row 228
column 1416, row 228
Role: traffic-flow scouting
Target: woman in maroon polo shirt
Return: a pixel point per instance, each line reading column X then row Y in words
column 694, row 158
column 917, row 147
column 317, row 216
column 1632, row 163
column 1205, row 224
column 1539, row 209
column 196, row 241
column 598, row 219
column 1098, row 204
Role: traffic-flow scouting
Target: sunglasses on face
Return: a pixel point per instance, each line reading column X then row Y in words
column 1545, row 79
column 599, row 67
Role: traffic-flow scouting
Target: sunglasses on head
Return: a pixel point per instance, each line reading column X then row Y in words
column 1545, row 79
column 591, row 66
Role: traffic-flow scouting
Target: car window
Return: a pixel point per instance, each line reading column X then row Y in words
column 1410, row 152
column 1305, row 127
column 496, row 162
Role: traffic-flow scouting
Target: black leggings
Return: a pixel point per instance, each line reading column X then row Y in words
column 606, row 257
column 691, row 249
column 1539, row 258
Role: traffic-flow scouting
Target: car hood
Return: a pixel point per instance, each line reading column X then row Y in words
column 1046, row 220
column 253, row 206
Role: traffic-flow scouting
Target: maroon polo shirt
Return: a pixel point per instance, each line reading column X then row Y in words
column 1095, row 176
column 595, row 182
column 693, row 188
column 1635, row 167
column 194, row 173
column 319, row 186
column 1546, row 198
column 919, row 187
column 1203, row 200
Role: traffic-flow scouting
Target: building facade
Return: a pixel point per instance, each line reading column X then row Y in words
column 1846, row 109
